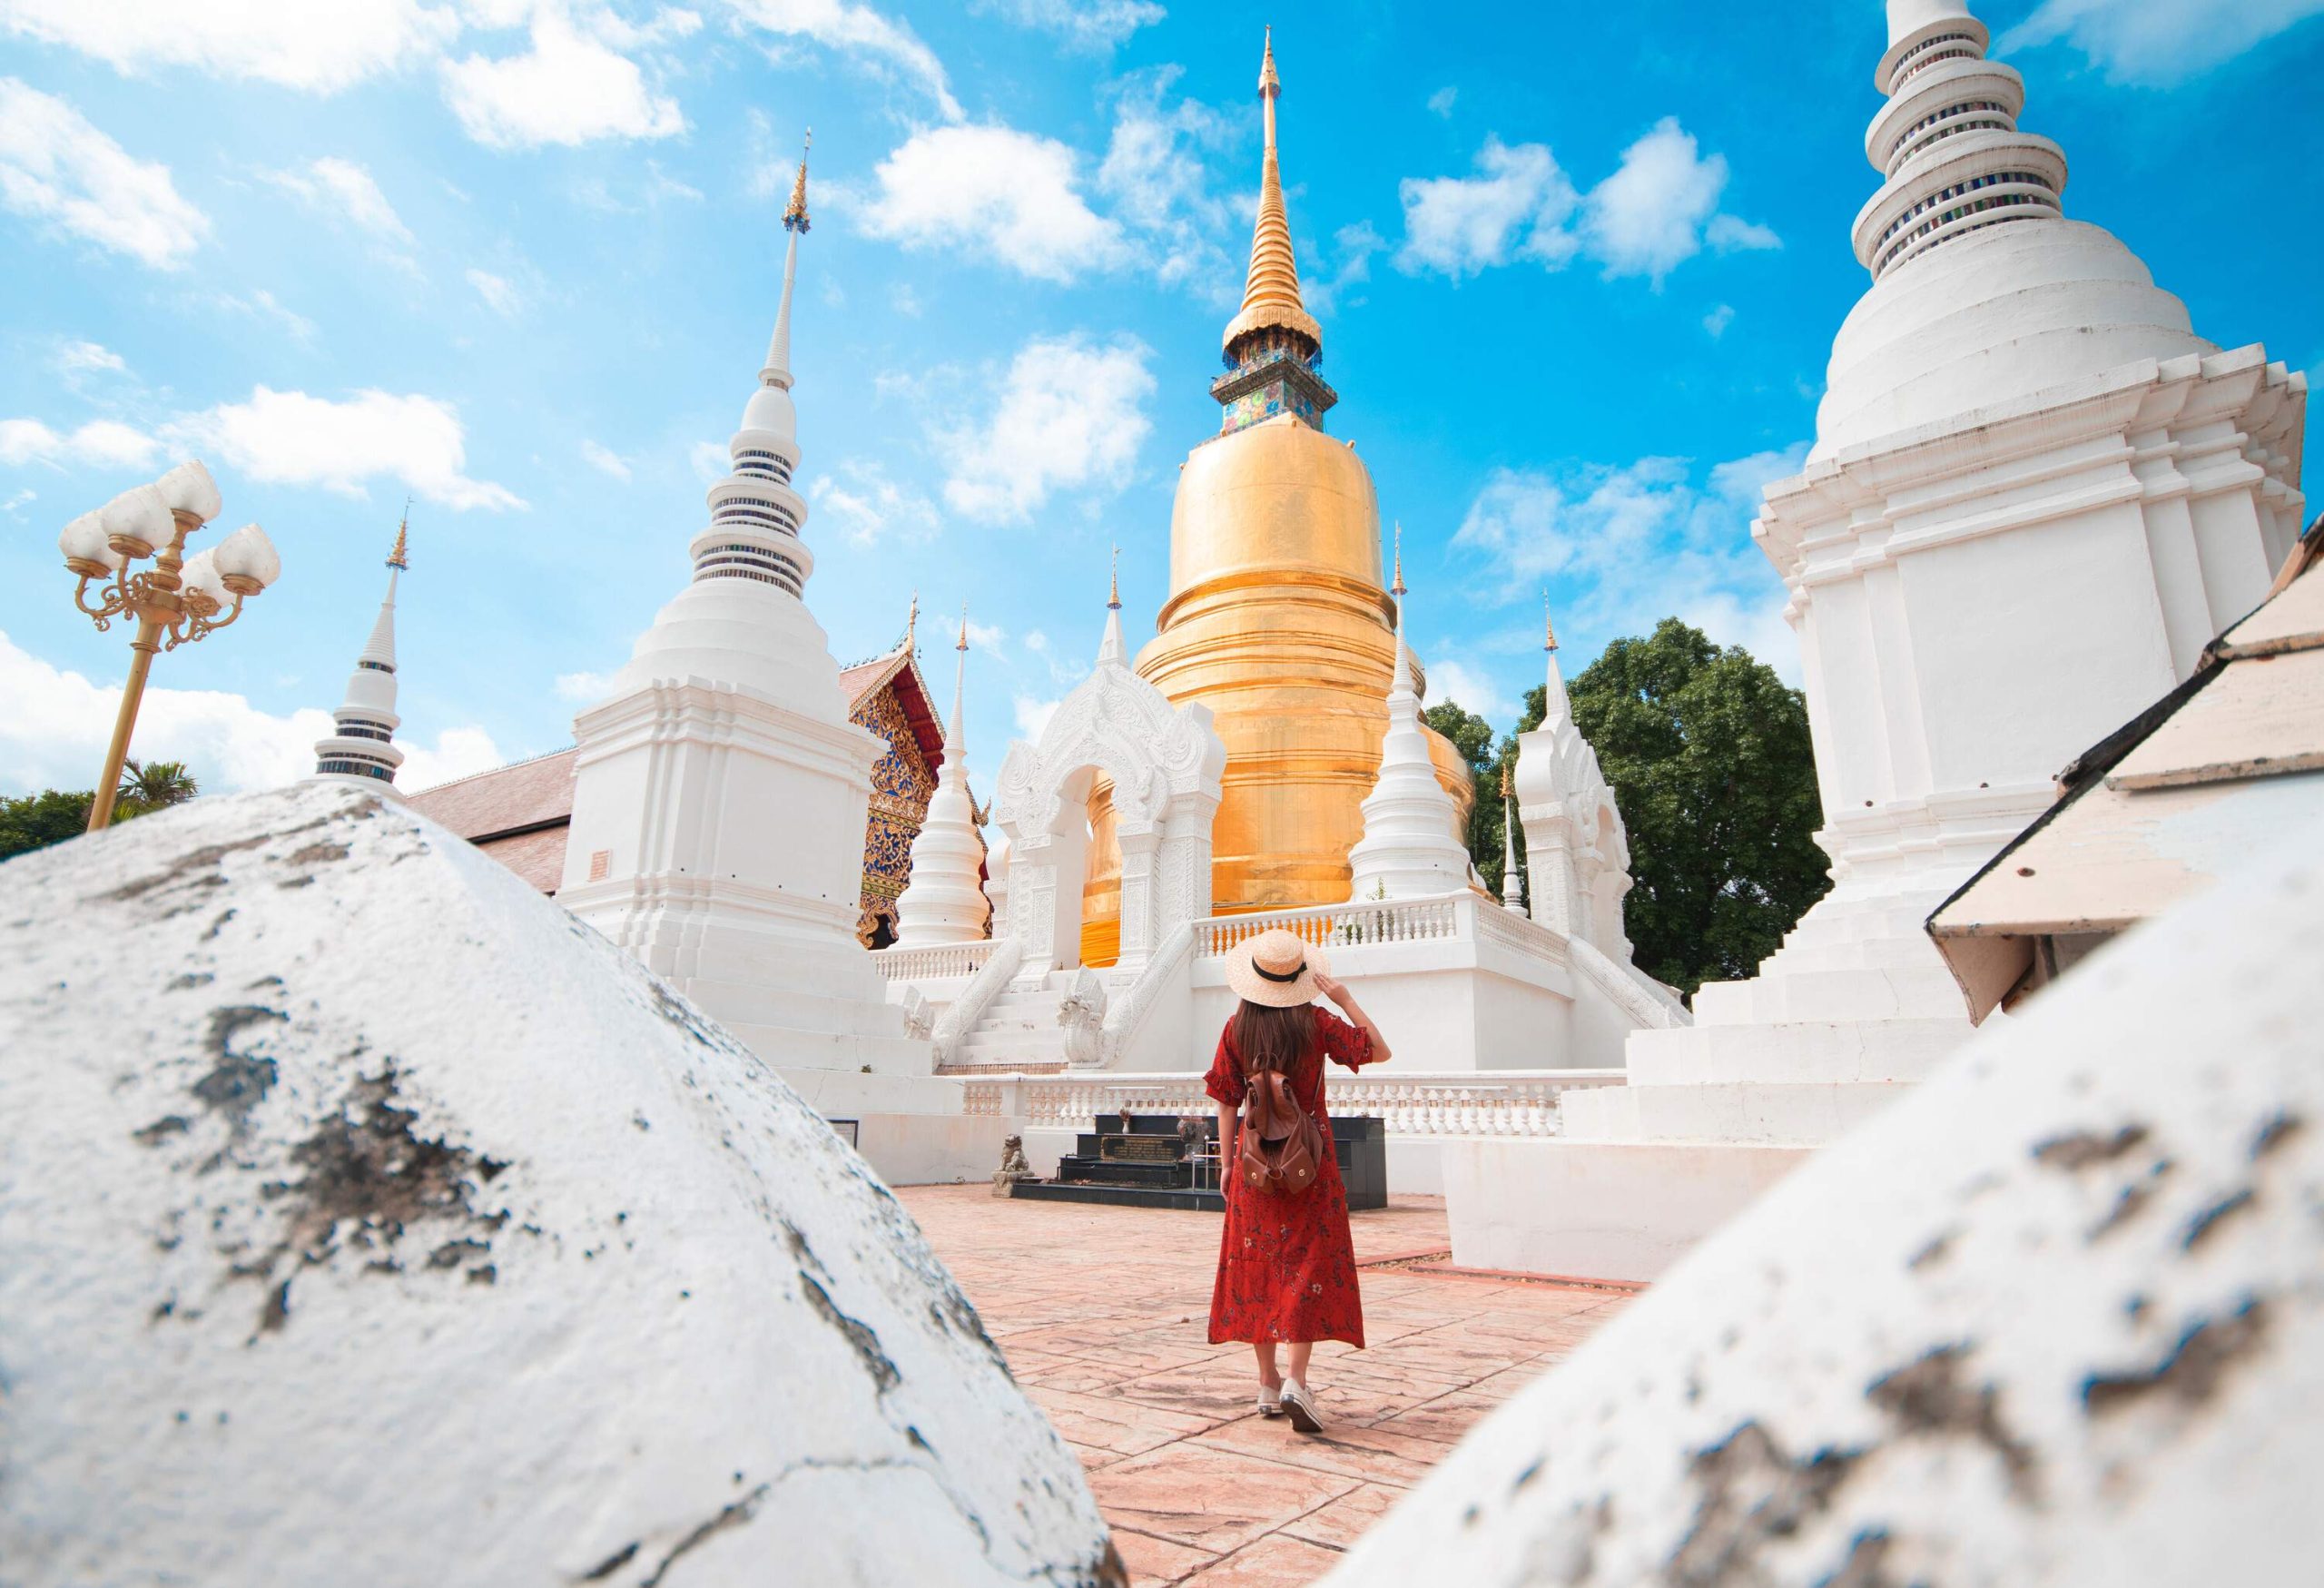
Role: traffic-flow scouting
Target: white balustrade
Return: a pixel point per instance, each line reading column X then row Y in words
column 934, row 964
column 1493, row 1102
column 1337, row 925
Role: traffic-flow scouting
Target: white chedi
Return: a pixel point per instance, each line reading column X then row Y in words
column 2055, row 1317
column 359, row 1206
column 1411, row 847
column 361, row 747
column 943, row 901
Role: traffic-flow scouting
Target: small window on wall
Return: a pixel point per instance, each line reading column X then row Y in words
column 601, row 864
column 847, row 1131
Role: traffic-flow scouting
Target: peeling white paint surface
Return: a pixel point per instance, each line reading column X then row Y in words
column 2056, row 1318
column 365, row 1217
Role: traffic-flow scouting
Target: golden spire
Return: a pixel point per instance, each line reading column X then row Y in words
column 1114, row 585
column 963, row 646
column 1504, row 779
column 1271, row 286
column 1549, row 629
column 1397, row 588
column 794, row 214
column 912, row 624
column 397, row 558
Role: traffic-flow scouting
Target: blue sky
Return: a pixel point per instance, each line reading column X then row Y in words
column 1579, row 269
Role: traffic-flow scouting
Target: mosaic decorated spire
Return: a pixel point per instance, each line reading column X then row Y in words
column 1273, row 346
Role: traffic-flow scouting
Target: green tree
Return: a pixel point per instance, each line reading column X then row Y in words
column 154, row 785
column 1472, row 737
column 1708, row 756
column 36, row 821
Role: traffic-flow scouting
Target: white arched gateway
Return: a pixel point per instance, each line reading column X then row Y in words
column 1164, row 763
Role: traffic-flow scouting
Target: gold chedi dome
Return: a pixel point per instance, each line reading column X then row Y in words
column 1276, row 618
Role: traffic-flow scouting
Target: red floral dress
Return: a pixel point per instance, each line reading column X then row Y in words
column 1286, row 1268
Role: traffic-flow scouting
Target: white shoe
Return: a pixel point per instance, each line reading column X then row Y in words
column 1299, row 1403
column 1270, row 1401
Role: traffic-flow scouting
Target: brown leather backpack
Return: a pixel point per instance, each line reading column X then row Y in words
column 1282, row 1146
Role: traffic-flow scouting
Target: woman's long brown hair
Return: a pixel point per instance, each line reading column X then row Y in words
column 1272, row 1039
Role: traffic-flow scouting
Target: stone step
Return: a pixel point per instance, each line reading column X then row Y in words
column 1793, row 1052
column 1927, row 991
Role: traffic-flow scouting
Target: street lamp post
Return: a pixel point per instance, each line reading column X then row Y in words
column 181, row 595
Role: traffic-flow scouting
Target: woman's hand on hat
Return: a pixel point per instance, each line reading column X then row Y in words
column 1331, row 987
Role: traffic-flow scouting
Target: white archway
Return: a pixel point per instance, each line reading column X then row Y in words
column 1164, row 763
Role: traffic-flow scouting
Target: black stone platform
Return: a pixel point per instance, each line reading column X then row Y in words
column 1142, row 1161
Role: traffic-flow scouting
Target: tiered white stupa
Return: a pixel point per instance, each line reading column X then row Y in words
column 1411, row 847
column 2035, row 494
column 361, row 747
column 720, row 793
column 944, row 900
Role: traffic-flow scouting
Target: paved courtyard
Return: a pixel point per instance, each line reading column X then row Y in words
column 1103, row 1313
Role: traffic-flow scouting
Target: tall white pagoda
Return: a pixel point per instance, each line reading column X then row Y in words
column 720, row 792
column 944, row 900
column 361, row 747
column 2036, row 494
column 1412, row 846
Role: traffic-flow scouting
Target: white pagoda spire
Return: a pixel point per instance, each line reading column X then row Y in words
column 1110, row 650
column 944, row 900
column 1411, row 847
column 362, row 746
column 1512, row 886
column 1557, row 711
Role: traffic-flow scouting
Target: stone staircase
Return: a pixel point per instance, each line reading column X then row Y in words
column 1019, row 1033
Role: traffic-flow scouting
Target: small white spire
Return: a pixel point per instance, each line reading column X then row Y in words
column 1512, row 887
column 943, row 901
column 1556, row 709
column 362, row 745
column 1411, row 845
column 954, row 744
column 1110, row 650
column 794, row 223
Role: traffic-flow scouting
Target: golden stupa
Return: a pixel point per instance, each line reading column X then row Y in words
column 1275, row 619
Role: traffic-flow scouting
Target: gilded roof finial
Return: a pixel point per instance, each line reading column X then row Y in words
column 1271, row 285
column 1504, row 779
column 1114, row 585
column 911, row 623
column 794, row 214
column 1398, row 587
column 1549, row 629
column 397, row 558
column 963, row 645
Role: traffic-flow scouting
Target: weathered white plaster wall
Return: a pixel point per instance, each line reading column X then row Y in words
column 2056, row 1316
column 363, row 1217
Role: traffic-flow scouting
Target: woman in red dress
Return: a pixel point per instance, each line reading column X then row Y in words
column 1286, row 1267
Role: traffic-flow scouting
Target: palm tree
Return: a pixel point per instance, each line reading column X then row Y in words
column 154, row 785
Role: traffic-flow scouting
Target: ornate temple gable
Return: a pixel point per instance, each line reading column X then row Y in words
column 889, row 695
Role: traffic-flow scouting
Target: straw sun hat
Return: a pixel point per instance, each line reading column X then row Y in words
column 1275, row 969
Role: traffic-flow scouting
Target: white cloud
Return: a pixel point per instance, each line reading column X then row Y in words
column 1033, row 715
column 606, row 461
column 21, row 499
column 54, row 166
column 571, row 87
column 1719, row 320
column 870, row 507
column 2158, row 43
column 346, row 190
column 500, row 294
column 262, row 304
column 1639, row 543
column 289, row 438
column 1519, row 199
column 77, row 358
column 100, row 442
column 1354, row 247
column 583, row 688
column 878, row 41
column 1440, row 101
column 1658, row 209
column 320, row 48
column 1067, row 416
column 710, row 461
column 56, row 734
column 457, row 752
column 1155, row 178
column 1449, row 680
column 982, row 636
column 1649, row 216
column 991, row 189
column 1083, row 25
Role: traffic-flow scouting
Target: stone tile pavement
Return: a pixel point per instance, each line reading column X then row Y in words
column 1104, row 1314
